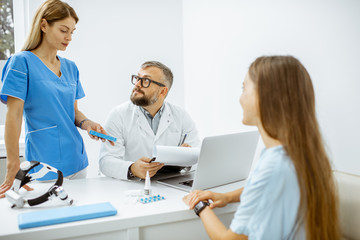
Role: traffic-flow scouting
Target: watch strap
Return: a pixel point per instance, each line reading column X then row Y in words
column 200, row 206
column 81, row 123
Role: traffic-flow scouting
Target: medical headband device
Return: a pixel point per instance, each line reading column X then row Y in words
column 23, row 177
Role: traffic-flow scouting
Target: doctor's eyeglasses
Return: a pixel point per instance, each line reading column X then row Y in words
column 145, row 82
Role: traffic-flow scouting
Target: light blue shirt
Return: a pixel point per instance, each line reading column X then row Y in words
column 270, row 200
column 153, row 121
column 51, row 134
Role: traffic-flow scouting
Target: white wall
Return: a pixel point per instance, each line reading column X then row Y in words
column 214, row 42
column 222, row 38
column 113, row 38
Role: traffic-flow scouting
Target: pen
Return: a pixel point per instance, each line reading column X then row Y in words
column 153, row 159
column 183, row 140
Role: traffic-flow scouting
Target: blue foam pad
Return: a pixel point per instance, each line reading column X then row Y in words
column 65, row 214
column 103, row 136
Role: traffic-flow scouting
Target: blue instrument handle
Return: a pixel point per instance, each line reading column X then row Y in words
column 104, row 136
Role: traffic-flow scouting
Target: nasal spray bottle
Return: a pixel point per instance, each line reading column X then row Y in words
column 148, row 197
column 147, row 188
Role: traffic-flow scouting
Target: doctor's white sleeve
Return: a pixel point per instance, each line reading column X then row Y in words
column 111, row 160
column 189, row 128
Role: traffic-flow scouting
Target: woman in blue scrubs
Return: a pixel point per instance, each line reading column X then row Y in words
column 44, row 88
column 291, row 192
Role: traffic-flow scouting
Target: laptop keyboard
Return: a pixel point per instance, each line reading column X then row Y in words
column 187, row 183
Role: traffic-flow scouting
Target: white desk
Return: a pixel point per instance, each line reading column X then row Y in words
column 167, row 219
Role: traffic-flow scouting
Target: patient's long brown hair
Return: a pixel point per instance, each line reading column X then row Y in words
column 287, row 111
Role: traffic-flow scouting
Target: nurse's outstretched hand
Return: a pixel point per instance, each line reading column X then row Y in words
column 6, row 185
column 90, row 125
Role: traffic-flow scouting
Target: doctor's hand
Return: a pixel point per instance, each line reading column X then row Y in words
column 91, row 125
column 218, row 199
column 185, row 145
column 142, row 165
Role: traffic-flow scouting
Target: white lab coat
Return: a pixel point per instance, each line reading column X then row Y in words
column 136, row 139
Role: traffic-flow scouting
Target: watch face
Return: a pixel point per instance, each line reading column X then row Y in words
column 200, row 206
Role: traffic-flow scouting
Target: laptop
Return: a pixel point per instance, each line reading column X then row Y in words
column 223, row 159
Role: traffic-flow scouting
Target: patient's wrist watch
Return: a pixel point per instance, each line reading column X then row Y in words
column 200, row 206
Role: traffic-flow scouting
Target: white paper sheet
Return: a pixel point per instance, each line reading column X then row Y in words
column 176, row 156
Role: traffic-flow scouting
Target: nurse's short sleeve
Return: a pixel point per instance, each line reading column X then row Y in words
column 79, row 89
column 259, row 213
column 14, row 78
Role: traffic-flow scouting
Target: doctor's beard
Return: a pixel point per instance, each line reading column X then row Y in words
column 143, row 101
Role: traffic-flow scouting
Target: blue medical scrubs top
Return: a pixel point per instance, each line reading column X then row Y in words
column 49, row 114
column 270, row 200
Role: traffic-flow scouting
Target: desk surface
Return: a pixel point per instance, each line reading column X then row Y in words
column 94, row 190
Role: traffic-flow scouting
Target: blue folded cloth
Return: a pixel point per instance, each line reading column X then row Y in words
column 65, row 214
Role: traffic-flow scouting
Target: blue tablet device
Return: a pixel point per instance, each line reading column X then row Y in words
column 103, row 136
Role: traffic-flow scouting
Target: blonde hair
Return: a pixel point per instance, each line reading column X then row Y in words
column 287, row 112
column 51, row 11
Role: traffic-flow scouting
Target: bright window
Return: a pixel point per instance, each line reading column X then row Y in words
column 6, row 29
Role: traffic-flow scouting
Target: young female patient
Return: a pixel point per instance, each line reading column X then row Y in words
column 291, row 193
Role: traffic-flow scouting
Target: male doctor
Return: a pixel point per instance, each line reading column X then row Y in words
column 144, row 122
